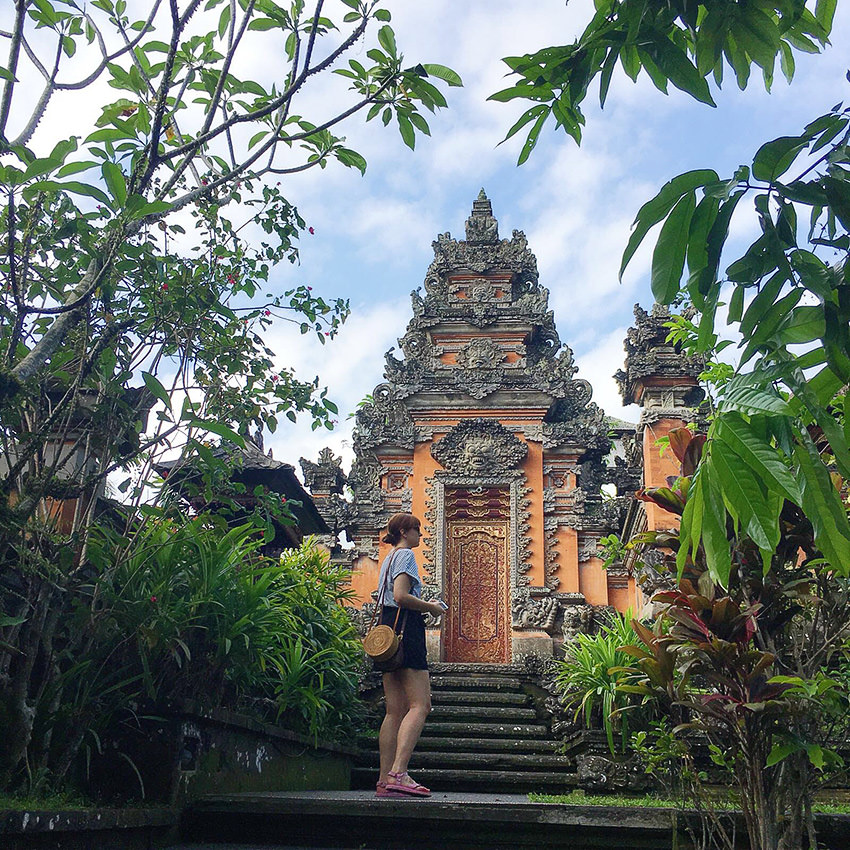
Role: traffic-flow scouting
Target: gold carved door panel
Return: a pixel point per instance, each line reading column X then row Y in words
column 477, row 580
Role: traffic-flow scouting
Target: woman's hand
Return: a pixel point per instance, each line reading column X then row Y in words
column 435, row 609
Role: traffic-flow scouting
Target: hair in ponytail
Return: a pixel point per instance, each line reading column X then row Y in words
column 398, row 524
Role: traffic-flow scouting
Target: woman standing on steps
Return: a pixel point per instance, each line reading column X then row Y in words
column 408, row 689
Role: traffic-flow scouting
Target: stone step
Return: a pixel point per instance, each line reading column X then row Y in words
column 483, row 712
column 448, row 820
column 484, row 730
column 483, row 761
column 483, row 745
column 494, row 781
column 471, row 697
column 481, row 683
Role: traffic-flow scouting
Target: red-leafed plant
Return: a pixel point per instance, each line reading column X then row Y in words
column 747, row 654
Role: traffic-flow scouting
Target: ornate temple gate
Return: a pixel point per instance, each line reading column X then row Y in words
column 477, row 529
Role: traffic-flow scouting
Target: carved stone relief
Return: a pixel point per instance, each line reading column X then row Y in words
column 530, row 611
column 479, row 447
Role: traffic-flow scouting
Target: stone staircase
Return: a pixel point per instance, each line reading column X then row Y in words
column 484, row 735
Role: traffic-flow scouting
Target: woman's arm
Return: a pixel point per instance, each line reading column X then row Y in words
column 405, row 599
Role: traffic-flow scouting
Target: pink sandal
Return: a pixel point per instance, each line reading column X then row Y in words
column 381, row 790
column 397, row 786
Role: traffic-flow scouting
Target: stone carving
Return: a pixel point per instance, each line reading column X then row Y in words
column 648, row 354
column 550, row 568
column 480, row 353
column 326, row 476
column 479, row 447
column 384, row 420
column 481, row 226
column 587, row 548
column 361, row 617
column 598, row 773
column 533, row 612
column 652, row 574
column 578, row 619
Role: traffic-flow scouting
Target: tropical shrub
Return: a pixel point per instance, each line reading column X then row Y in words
column 591, row 677
column 188, row 610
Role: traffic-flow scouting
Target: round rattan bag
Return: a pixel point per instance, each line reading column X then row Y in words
column 381, row 643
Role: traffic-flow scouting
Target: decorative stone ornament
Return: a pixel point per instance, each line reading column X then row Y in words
column 479, row 447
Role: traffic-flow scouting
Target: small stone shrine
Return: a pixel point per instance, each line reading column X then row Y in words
column 484, row 430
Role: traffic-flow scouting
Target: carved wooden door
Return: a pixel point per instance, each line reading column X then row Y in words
column 477, row 581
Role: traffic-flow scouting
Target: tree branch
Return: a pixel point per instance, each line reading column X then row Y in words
column 14, row 53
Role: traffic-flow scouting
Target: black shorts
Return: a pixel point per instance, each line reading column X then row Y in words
column 414, row 636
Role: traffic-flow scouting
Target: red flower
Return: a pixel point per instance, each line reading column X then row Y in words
column 267, row 312
column 327, row 333
column 274, row 377
column 283, row 500
column 204, row 181
column 165, row 287
column 311, row 231
column 231, row 279
column 309, row 289
column 153, row 599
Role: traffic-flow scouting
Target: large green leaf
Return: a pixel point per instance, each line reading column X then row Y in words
column 745, row 497
column 668, row 258
column 656, row 209
column 156, row 389
column 731, row 428
column 823, row 505
column 774, row 158
column 220, row 429
column 715, row 541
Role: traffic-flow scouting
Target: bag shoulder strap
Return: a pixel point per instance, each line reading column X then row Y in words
column 382, row 592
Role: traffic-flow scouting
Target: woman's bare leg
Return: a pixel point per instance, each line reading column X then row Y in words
column 417, row 689
column 397, row 708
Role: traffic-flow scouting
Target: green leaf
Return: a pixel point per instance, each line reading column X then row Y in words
column 219, row 429
column 668, row 258
column 822, row 505
column 386, row 38
column 656, row 209
column 731, row 428
column 113, row 176
column 754, row 399
column 678, row 68
column 531, row 139
column 838, row 195
column 774, row 158
column 745, row 498
column 718, row 553
column 781, row 750
column 806, row 324
column 156, row 389
column 443, row 73
column 72, row 186
column 406, row 129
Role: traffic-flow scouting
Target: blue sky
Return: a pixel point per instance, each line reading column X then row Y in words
column 373, row 234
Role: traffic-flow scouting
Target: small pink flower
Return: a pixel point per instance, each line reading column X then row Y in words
column 311, row 231
column 153, row 599
column 165, row 287
column 309, row 289
column 204, row 181
column 231, row 279
column 245, row 321
column 267, row 312
column 274, row 377
column 327, row 333
column 283, row 500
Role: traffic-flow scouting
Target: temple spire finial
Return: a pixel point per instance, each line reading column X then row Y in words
column 482, row 226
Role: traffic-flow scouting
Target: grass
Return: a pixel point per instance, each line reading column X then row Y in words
column 579, row 798
column 59, row 802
